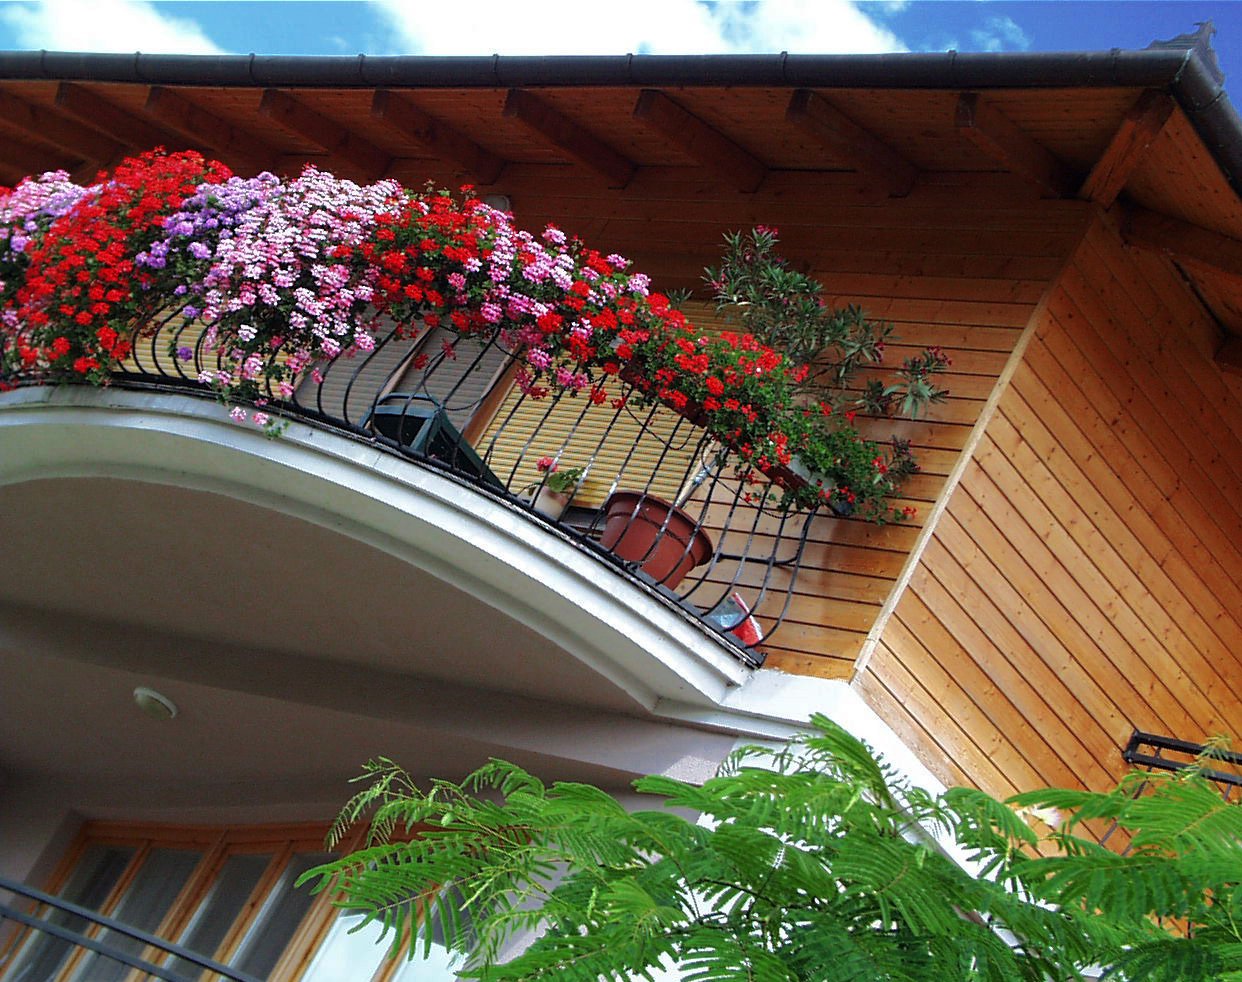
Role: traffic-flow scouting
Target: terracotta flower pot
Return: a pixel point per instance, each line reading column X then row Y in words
column 664, row 541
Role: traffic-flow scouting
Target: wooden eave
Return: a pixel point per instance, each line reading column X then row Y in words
column 1130, row 144
column 918, row 125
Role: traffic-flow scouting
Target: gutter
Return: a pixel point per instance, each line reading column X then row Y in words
column 1199, row 90
column 1185, row 70
column 951, row 69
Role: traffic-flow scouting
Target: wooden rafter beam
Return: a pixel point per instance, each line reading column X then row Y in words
column 563, row 132
column 107, row 117
column 1155, row 232
column 1140, row 127
column 849, row 142
column 437, row 136
column 11, row 174
column 707, row 145
column 368, row 160
column 61, row 131
column 22, row 158
column 1011, row 146
column 1229, row 356
column 228, row 141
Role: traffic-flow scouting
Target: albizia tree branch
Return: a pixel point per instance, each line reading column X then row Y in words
column 810, row 863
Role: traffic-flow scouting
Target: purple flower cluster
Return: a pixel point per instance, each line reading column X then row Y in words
column 193, row 234
column 269, row 265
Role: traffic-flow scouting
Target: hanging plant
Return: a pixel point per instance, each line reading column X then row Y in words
column 283, row 276
column 83, row 295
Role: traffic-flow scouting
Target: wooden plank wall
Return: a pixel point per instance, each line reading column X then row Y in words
column 962, row 263
column 973, row 305
column 1085, row 579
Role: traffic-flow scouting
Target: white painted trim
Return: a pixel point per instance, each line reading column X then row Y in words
column 480, row 545
column 775, row 706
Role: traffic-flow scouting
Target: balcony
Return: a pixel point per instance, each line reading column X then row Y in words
column 649, row 493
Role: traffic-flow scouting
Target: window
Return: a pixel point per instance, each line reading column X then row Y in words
column 227, row 893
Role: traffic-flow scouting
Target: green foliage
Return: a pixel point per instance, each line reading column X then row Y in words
column 811, row 861
column 1183, row 868
column 785, row 309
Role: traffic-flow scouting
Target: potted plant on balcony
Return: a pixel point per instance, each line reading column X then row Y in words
column 287, row 274
column 551, row 494
column 782, row 394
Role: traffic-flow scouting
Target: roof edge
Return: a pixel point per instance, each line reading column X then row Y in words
column 1182, row 71
column 1199, row 90
column 950, row 69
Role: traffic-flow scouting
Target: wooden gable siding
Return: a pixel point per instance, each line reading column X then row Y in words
column 942, row 277
column 937, row 287
column 1085, row 579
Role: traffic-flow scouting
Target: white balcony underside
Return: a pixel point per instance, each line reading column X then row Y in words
column 324, row 545
column 310, row 602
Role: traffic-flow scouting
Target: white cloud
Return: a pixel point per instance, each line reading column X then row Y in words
column 104, row 25
column 1000, row 34
column 552, row 27
column 889, row 7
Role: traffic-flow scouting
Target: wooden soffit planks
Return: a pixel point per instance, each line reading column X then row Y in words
column 540, row 116
column 851, row 143
column 436, row 135
column 21, row 158
column 1155, row 232
column 365, row 158
column 103, row 115
column 1201, row 248
column 177, row 112
column 1229, row 356
column 1128, row 148
column 704, row 143
column 61, row 131
column 1009, row 145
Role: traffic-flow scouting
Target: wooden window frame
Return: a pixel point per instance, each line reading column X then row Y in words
column 216, row 844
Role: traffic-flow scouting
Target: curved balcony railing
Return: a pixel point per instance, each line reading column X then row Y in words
column 47, row 933
column 656, row 496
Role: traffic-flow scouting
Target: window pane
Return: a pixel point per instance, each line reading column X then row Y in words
column 434, row 968
column 148, row 899
column 358, row 955
column 233, row 885
column 344, row 955
column 281, row 914
column 93, row 879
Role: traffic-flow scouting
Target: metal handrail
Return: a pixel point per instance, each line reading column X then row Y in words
column 422, row 399
column 149, row 940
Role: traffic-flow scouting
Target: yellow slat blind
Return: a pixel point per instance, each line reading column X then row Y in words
column 643, row 450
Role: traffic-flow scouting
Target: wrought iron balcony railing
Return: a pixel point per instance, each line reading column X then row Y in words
column 653, row 494
column 1161, row 753
column 47, row 933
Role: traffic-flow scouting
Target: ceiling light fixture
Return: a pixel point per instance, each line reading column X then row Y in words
column 154, row 704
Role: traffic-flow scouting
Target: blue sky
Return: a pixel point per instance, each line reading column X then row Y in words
column 571, row 27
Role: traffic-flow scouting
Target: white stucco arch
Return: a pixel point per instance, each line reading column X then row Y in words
column 465, row 538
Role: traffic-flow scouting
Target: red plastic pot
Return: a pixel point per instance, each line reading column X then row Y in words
column 664, row 541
